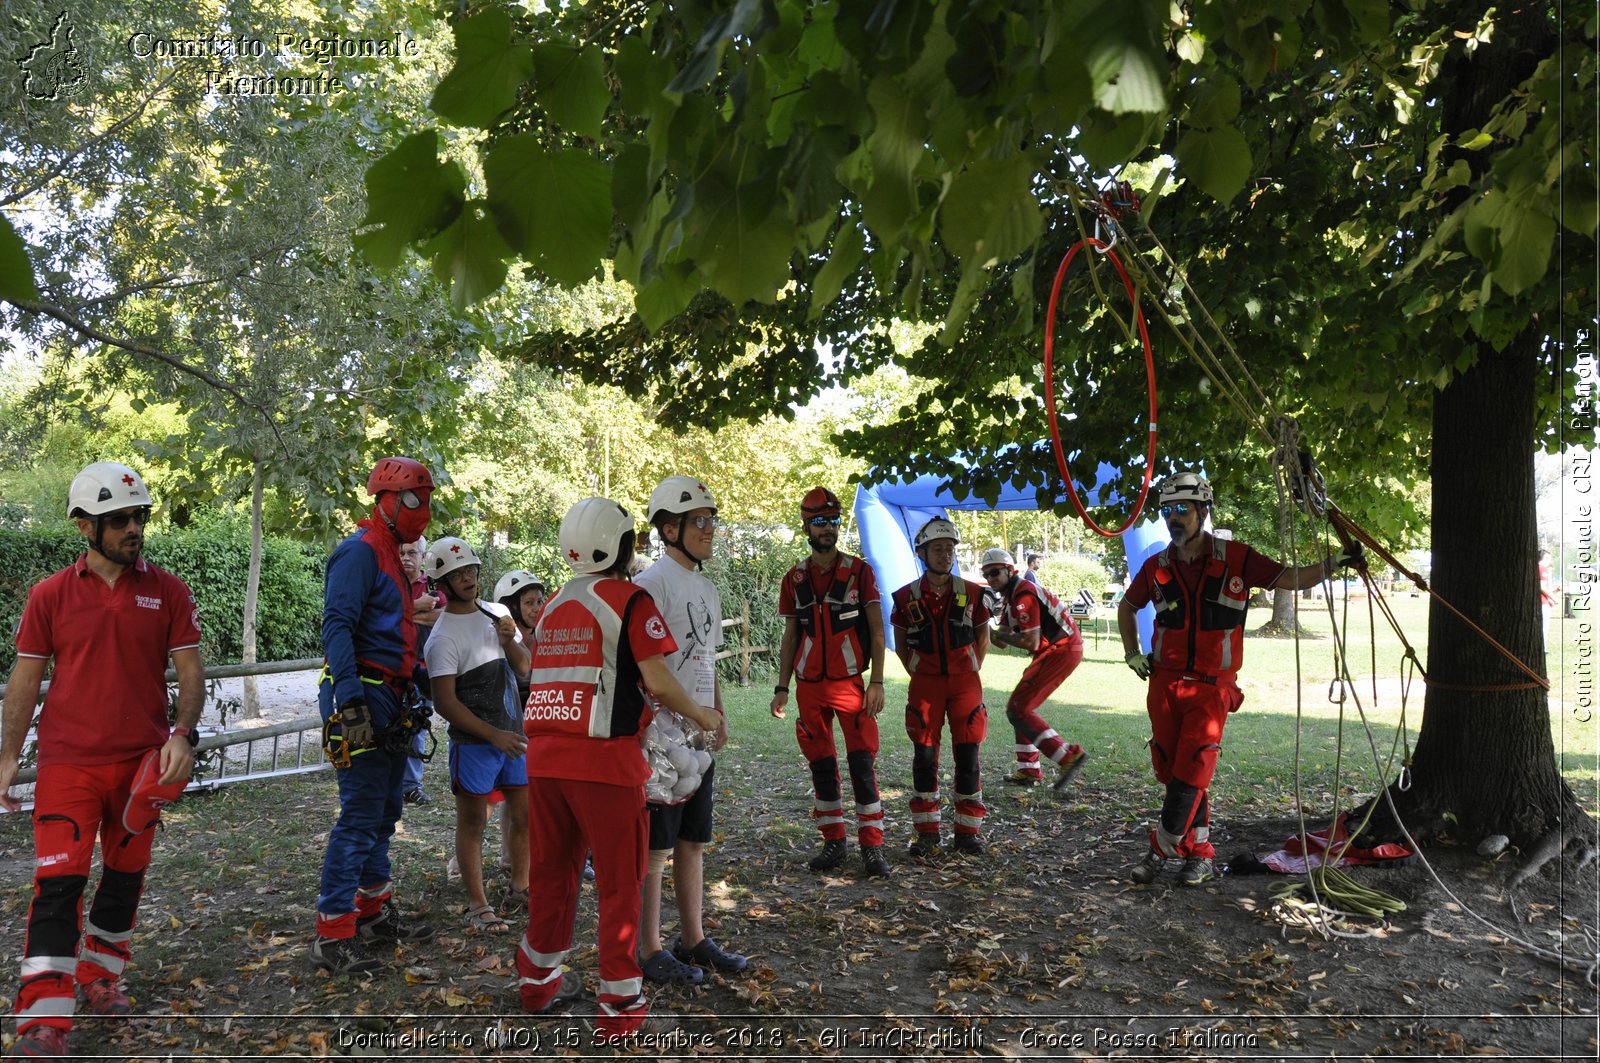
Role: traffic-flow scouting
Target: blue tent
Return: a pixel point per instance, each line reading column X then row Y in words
column 888, row 515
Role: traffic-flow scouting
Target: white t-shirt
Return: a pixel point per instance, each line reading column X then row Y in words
column 693, row 611
column 465, row 645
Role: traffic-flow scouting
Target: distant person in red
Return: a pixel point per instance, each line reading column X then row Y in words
column 598, row 657
column 833, row 631
column 1200, row 586
column 941, row 633
column 105, row 746
column 1033, row 620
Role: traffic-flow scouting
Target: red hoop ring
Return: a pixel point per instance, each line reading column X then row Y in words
column 1050, row 383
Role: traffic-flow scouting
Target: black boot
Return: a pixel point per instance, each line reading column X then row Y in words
column 832, row 855
column 873, row 862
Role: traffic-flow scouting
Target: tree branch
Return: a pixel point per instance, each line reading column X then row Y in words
column 83, row 328
column 93, row 142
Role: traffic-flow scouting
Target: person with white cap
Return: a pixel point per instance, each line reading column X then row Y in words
column 1200, row 586
column 108, row 755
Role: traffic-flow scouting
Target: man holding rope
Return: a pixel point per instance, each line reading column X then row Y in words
column 1200, row 586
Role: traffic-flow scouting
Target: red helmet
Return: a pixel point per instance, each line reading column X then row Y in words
column 399, row 474
column 820, row 502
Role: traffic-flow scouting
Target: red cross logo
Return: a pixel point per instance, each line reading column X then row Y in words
column 455, row 548
column 573, row 554
column 127, row 479
column 703, row 488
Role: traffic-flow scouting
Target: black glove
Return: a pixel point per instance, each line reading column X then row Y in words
column 355, row 721
column 1352, row 556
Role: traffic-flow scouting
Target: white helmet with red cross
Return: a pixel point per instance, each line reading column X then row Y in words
column 592, row 535
column 446, row 555
column 105, row 487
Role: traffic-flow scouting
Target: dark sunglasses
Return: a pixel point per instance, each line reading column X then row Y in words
column 823, row 522
column 118, row 521
column 702, row 522
column 1180, row 508
column 991, row 573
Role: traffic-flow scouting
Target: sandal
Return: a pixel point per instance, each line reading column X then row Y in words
column 486, row 920
column 514, row 900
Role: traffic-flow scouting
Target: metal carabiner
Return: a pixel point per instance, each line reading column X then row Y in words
column 1339, row 685
column 1103, row 224
column 1403, row 783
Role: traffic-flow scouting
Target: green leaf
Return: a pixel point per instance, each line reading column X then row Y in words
column 665, row 295
column 554, row 207
column 989, row 213
column 16, row 271
column 470, row 257
column 1218, row 160
column 571, row 86
column 846, row 258
column 489, row 70
column 1519, row 251
column 1215, row 102
column 410, row 196
column 739, row 243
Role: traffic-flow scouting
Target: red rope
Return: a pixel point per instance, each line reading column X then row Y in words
column 1050, row 384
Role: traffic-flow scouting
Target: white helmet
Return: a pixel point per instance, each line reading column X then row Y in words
column 446, row 555
column 997, row 556
column 1184, row 487
column 104, row 487
column 677, row 495
column 591, row 534
column 515, row 582
column 937, row 528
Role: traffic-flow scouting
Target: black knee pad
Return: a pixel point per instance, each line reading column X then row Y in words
column 825, row 778
column 53, row 920
column 967, row 777
column 862, row 779
column 116, row 900
column 1178, row 810
column 925, row 768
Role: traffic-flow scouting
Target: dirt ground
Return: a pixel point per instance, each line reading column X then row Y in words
column 1040, row 950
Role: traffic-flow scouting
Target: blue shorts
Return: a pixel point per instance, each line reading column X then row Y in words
column 476, row 768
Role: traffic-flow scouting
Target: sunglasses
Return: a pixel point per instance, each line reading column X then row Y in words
column 823, row 522
column 991, row 573
column 1180, row 508
column 118, row 521
column 702, row 522
column 412, row 500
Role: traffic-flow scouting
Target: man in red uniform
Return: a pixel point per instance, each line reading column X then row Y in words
column 1032, row 619
column 833, row 627
column 110, row 621
column 941, row 632
column 598, row 650
column 1200, row 586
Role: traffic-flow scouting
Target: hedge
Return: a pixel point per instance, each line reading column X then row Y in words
column 214, row 561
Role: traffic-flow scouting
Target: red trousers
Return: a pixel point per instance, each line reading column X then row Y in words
column 73, row 805
column 932, row 700
column 821, row 702
column 566, row 820
column 1187, row 716
column 1048, row 670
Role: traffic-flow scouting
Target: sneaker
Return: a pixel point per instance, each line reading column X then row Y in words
column 571, row 988
column 104, row 997
column 40, row 1042
column 1195, row 870
column 832, row 855
column 968, row 845
column 1024, row 778
column 925, row 847
column 1146, row 870
column 344, row 956
column 709, row 954
column 417, row 797
column 666, row 969
column 1069, row 767
column 873, row 861
column 388, row 926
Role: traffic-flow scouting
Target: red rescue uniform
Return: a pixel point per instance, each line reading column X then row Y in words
column 1196, row 652
column 830, row 606
column 105, row 710
column 941, row 636
column 1026, row 608
column 586, row 775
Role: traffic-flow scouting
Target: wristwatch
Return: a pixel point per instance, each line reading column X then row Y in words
column 187, row 732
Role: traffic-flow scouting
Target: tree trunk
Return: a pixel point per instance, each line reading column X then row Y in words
column 252, row 593
column 1485, row 762
column 1283, row 623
